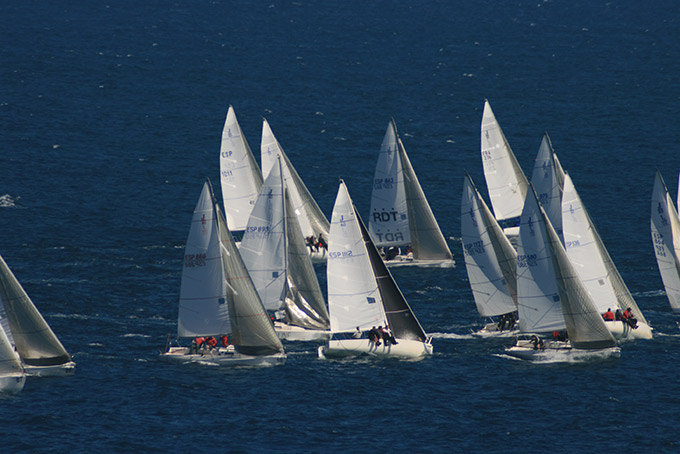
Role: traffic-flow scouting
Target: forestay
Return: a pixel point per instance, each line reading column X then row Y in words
column 35, row 341
column 240, row 176
column 505, row 180
column 490, row 259
column 311, row 218
column 665, row 228
column 203, row 294
column 590, row 258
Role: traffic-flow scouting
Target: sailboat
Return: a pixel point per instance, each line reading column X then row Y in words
column 313, row 222
column 401, row 218
column 548, row 181
column 12, row 375
column 240, row 176
column 551, row 296
column 597, row 271
column 41, row 352
column 506, row 183
column 274, row 252
column 218, row 298
column 491, row 263
column 362, row 293
column 666, row 240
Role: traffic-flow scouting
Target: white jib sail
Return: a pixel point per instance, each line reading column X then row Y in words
column 388, row 223
column 311, row 218
column 666, row 239
column 537, row 293
column 202, row 301
column 547, row 183
column 9, row 359
column 590, row 257
column 263, row 247
column 505, row 180
column 240, row 177
column 353, row 296
column 492, row 292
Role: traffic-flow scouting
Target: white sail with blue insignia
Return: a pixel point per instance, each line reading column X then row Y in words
column 490, row 259
column 240, row 176
column 547, row 182
column 665, row 227
column 506, row 183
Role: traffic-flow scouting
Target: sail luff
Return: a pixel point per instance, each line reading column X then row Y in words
column 427, row 240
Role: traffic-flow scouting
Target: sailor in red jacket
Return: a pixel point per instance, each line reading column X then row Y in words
column 608, row 316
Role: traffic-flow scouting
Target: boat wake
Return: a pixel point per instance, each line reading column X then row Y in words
column 451, row 336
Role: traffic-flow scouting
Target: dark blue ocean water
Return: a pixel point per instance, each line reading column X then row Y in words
column 110, row 119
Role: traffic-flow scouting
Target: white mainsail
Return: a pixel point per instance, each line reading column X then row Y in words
column 490, row 259
column 590, row 258
column 240, row 176
column 584, row 324
column 263, row 247
column 400, row 213
column 203, row 294
column 547, row 179
column 311, row 218
column 538, row 296
column 353, row 296
column 12, row 376
column 505, row 180
column 274, row 252
column 35, row 341
column 359, row 280
column 389, row 222
column 665, row 227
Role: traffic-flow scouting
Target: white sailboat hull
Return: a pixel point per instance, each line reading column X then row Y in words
column 491, row 330
column 318, row 256
column 60, row 370
column 556, row 351
column 221, row 357
column 622, row 330
column 405, row 348
column 12, row 383
column 296, row 333
column 408, row 260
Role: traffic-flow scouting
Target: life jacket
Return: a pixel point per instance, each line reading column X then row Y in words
column 626, row 314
